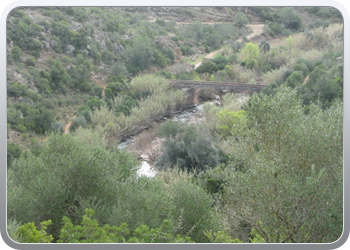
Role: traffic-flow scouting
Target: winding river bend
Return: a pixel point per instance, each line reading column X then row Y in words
column 188, row 115
column 191, row 115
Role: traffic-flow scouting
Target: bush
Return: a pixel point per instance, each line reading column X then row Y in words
column 13, row 152
column 221, row 61
column 190, row 150
column 192, row 207
column 170, row 129
column 30, row 61
column 290, row 18
column 207, row 67
column 16, row 53
column 80, row 121
column 58, row 127
column 295, row 79
column 69, row 172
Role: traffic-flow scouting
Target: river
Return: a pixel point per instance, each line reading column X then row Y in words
column 188, row 115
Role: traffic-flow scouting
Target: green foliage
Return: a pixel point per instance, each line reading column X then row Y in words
column 39, row 120
column 192, row 207
column 319, row 23
column 188, row 149
column 186, row 50
column 68, row 173
column 230, row 122
column 58, row 76
column 241, row 19
column 97, row 91
column 290, row 18
column 322, row 86
column 13, row 152
column 80, row 121
column 288, row 153
column 255, row 237
column 58, row 127
column 28, row 233
column 118, row 69
column 89, row 231
column 220, row 237
column 17, row 90
column 207, row 67
column 95, row 103
column 221, row 61
column 170, row 129
column 81, row 73
column 107, row 57
column 139, row 55
column 23, row 33
column 114, row 89
column 295, row 79
column 30, row 61
column 264, row 47
column 16, row 53
column 250, row 55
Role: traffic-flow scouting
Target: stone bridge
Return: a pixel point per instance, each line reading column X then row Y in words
column 192, row 88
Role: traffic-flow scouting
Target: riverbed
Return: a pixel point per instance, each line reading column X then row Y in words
column 189, row 115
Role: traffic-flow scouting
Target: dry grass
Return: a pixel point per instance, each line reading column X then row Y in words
column 145, row 138
column 173, row 175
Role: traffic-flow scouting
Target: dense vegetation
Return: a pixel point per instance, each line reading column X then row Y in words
column 265, row 168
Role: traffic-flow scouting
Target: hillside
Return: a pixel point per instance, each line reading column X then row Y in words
column 101, row 148
column 60, row 59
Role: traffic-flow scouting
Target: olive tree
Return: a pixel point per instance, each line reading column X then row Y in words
column 290, row 186
column 70, row 171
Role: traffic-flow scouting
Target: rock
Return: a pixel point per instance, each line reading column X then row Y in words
column 70, row 49
column 46, row 45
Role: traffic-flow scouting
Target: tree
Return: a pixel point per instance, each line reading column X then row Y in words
column 241, row 19
column 207, row 67
column 70, row 172
column 290, row 18
column 250, row 55
column 139, row 55
column 229, row 122
column 264, row 47
column 58, row 76
column 81, row 73
column 221, row 61
column 189, row 149
column 13, row 152
column 290, row 188
column 16, row 53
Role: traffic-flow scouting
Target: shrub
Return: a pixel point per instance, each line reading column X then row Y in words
column 70, row 171
column 221, row 61
column 30, row 61
column 295, row 79
column 170, row 129
column 192, row 207
column 16, row 53
column 290, row 18
column 207, row 67
column 189, row 150
column 13, row 152
column 80, row 121
column 58, row 127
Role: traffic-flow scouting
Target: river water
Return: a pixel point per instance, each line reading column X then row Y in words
column 188, row 115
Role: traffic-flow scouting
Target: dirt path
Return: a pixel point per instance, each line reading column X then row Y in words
column 66, row 128
column 209, row 56
column 257, row 30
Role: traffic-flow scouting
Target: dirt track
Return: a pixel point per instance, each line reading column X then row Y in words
column 257, row 30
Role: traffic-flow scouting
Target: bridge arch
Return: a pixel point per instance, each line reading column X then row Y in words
column 192, row 88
